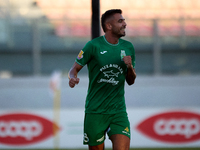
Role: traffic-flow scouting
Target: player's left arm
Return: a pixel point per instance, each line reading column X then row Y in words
column 131, row 74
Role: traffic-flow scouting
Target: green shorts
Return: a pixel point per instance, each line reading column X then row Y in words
column 96, row 126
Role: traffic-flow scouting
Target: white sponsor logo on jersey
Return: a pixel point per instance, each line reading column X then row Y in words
column 110, row 75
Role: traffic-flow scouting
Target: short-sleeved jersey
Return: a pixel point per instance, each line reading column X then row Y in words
column 107, row 74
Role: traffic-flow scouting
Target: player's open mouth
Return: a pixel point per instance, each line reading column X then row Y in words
column 123, row 29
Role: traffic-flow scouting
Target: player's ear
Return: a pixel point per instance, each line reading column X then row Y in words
column 108, row 26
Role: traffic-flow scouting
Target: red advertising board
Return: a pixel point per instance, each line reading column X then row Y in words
column 149, row 128
column 172, row 127
column 25, row 129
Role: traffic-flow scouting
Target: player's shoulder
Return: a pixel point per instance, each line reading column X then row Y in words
column 97, row 40
column 125, row 43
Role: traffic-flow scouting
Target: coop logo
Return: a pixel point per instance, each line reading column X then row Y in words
column 172, row 127
column 23, row 129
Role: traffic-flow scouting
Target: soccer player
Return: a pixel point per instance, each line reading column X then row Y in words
column 110, row 61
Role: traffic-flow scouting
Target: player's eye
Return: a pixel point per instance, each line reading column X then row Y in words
column 121, row 20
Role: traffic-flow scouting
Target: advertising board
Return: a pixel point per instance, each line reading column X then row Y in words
column 149, row 128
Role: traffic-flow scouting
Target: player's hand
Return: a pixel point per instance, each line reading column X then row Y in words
column 128, row 61
column 73, row 82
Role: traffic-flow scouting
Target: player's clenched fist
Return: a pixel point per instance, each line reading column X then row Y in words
column 127, row 60
column 73, row 82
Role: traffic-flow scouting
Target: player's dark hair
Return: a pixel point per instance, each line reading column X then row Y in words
column 107, row 15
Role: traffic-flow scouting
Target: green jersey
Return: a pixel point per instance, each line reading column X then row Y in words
column 107, row 74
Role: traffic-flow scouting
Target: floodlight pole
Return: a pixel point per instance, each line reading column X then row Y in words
column 95, row 19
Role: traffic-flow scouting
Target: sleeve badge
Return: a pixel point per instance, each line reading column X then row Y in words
column 80, row 55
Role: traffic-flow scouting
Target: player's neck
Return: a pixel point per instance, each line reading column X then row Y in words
column 111, row 39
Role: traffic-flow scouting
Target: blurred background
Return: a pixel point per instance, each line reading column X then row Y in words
column 40, row 36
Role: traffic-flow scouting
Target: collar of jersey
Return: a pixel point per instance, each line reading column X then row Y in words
column 110, row 43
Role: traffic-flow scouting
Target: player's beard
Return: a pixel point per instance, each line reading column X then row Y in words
column 119, row 33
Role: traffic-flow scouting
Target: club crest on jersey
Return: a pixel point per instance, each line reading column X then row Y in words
column 80, row 55
column 123, row 54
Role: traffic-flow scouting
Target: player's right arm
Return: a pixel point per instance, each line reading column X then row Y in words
column 72, row 75
column 82, row 59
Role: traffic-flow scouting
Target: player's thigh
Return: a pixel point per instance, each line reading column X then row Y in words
column 97, row 147
column 120, row 142
column 95, row 126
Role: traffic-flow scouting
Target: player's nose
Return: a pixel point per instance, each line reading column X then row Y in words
column 124, row 24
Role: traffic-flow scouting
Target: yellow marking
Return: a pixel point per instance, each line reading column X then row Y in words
column 126, row 129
